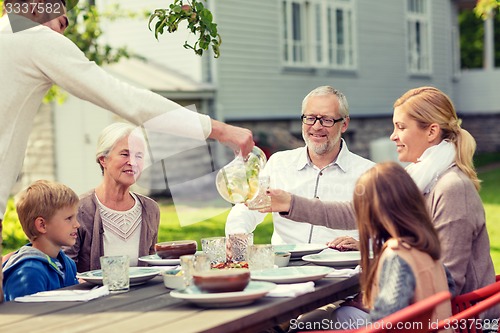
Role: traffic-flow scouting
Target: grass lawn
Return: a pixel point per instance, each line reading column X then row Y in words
column 490, row 195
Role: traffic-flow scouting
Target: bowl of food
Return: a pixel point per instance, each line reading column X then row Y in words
column 173, row 279
column 282, row 258
column 221, row 281
column 175, row 249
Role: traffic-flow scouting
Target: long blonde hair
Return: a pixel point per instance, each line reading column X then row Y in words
column 428, row 105
column 388, row 204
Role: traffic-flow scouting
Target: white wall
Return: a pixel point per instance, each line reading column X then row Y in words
column 77, row 127
column 477, row 91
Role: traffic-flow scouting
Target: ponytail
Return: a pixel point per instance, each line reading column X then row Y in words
column 466, row 146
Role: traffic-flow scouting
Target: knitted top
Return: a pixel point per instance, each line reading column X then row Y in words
column 405, row 276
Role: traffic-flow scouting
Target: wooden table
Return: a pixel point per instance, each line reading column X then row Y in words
column 150, row 308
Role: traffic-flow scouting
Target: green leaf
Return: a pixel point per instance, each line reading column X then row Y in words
column 176, row 9
column 199, row 22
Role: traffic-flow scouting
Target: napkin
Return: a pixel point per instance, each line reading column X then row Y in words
column 291, row 290
column 65, row 295
column 345, row 272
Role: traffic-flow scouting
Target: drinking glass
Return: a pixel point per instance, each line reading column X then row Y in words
column 236, row 246
column 194, row 263
column 262, row 200
column 115, row 273
column 260, row 256
column 215, row 248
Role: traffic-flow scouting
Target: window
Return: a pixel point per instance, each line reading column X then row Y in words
column 319, row 33
column 419, row 36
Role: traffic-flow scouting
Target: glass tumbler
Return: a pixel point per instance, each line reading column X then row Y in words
column 236, row 246
column 262, row 200
column 215, row 249
column 260, row 256
column 115, row 273
column 194, row 263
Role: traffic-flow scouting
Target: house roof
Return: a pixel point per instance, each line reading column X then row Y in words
column 466, row 4
column 160, row 79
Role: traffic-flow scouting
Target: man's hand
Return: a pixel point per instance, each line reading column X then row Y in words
column 280, row 201
column 237, row 138
column 344, row 243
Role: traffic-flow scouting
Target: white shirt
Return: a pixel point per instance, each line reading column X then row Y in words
column 293, row 172
column 122, row 230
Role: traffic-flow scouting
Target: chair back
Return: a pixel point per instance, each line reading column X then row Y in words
column 466, row 321
column 412, row 319
column 465, row 301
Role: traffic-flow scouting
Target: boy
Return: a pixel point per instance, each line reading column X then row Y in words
column 47, row 212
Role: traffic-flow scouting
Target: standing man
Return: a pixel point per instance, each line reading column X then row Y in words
column 324, row 169
column 35, row 55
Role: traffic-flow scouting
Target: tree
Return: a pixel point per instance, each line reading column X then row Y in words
column 471, row 24
column 199, row 21
column 484, row 7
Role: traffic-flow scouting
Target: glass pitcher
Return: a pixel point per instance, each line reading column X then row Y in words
column 238, row 181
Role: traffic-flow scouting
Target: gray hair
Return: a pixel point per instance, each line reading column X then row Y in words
column 110, row 135
column 327, row 90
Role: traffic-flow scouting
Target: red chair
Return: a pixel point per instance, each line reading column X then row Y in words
column 465, row 301
column 466, row 321
column 413, row 318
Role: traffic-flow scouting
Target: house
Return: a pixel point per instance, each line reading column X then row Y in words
column 273, row 53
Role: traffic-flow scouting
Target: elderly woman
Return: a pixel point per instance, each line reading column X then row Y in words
column 113, row 219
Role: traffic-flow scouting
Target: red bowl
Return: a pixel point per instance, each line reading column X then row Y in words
column 175, row 249
column 221, row 281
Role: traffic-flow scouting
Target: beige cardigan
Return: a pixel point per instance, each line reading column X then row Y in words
column 430, row 277
column 89, row 246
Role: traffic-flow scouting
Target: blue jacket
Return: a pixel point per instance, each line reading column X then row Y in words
column 29, row 271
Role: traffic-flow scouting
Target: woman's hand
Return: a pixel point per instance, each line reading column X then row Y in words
column 280, row 201
column 344, row 243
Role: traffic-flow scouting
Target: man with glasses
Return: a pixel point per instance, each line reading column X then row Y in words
column 324, row 169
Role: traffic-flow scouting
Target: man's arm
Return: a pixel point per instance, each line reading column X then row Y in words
column 237, row 138
column 242, row 220
column 65, row 65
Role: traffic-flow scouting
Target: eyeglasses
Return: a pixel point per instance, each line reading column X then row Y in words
column 324, row 121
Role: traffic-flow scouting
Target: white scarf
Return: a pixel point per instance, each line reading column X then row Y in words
column 436, row 159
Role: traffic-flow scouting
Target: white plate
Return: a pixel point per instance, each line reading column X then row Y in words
column 291, row 274
column 333, row 258
column 155, row 260
column 299, row 250
column 254, row 291
column 138, row 275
